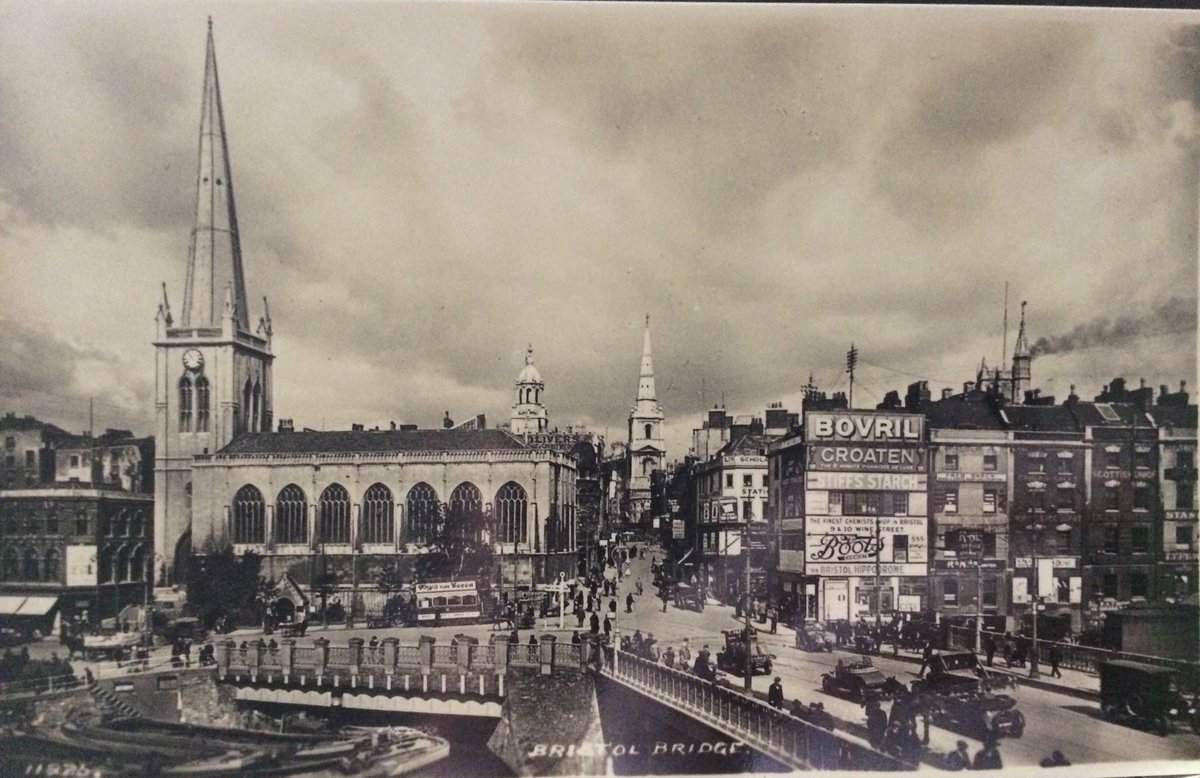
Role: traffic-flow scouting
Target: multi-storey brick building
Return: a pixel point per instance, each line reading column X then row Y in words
column 1177, row 490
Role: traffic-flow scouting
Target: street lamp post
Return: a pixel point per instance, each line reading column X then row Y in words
column 746, row 609
column 878, row 590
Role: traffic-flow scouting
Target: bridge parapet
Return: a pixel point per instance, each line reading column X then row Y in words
column 794, row 742
column 323, row 663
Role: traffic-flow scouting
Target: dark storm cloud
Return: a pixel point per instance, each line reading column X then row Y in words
column 974, row 92
column 33, row 362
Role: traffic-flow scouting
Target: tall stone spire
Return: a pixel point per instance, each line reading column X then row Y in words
column 1022, row 368
column 215, row 257
column 646, row 391
column 1022, row 347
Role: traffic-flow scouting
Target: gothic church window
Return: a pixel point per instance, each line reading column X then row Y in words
column 333, row 515
column 512, row 508
column 255, row 398
column 378, row 515
column 291, row 515
column 466, row 503
column 648, row 429
column 246, row 405
column 248, row 512
column 185, row 404
column 422, row 508
column 201, row 404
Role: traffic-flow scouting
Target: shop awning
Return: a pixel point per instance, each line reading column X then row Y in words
column 27, row 606
column 37, row 606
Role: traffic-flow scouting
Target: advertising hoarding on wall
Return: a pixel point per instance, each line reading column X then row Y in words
column 894, row 482
column 892, row 459
column 848, row 545
column 81, row 566
column 860, row 427
column 959, row 477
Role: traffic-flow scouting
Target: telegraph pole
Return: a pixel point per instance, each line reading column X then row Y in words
column 851, row 363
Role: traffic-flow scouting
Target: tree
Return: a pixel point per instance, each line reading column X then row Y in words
column 390, row 580
column 222, row 583
column 324, row 584
column 461, row 546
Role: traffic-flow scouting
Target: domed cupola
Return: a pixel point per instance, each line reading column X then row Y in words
column 529, row 414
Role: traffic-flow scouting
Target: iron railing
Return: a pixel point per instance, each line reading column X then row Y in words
column 773, row 732
column 1072, row 655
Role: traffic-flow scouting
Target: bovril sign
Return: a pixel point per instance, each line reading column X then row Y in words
column 848, row 426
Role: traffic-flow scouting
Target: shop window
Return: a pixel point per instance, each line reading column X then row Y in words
column 1139, row 584
column 951, row 504
column 950, row 591
column 989, row 544
column 1183, row 535
column 1139, row 539
column 900, row 549
column 951, row 460
column 990, row 462
column 989, row 500
column 1062, row 589
column 1185, row 495
column 989, row 592
column 1111, row 540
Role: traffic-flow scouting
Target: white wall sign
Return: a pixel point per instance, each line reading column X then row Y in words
column 895, row 482
column 81, row 566
column 863, row 427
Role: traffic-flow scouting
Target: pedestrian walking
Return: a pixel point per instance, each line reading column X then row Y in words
column 575, row 639
column 612, row 605
column 668, row 657
column 595, row 624
column 926, row 656
column 579, row 617
column 775, row 694
column 662, row 593
column 533, row 645
column 989, row 648
column 1055, row 657
column 607, row 627
column 629, row 603
column 877, row 723
column 639, row 587
column 773, row 615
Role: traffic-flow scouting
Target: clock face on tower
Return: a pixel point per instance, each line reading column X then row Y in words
column 193, row 359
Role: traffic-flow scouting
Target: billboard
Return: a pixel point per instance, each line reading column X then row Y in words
column 859, row 427
column 907, row 459
column 849, row 545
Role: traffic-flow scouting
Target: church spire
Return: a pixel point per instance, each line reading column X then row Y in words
column 646, row 390
column 215, row 258
column 1022, row 347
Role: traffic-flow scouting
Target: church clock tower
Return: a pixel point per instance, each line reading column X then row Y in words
column 212, row 369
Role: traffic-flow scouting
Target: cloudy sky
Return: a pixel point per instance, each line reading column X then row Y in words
column 423, row 189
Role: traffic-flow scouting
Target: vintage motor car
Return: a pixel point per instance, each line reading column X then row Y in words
column 742, row 647
column 978, row 712
column 1145, row 695
column 687, row 597
column 814, row 637
column 952, row 671
column 860, row 681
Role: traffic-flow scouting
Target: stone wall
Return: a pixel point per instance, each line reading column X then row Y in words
column 550, row 725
